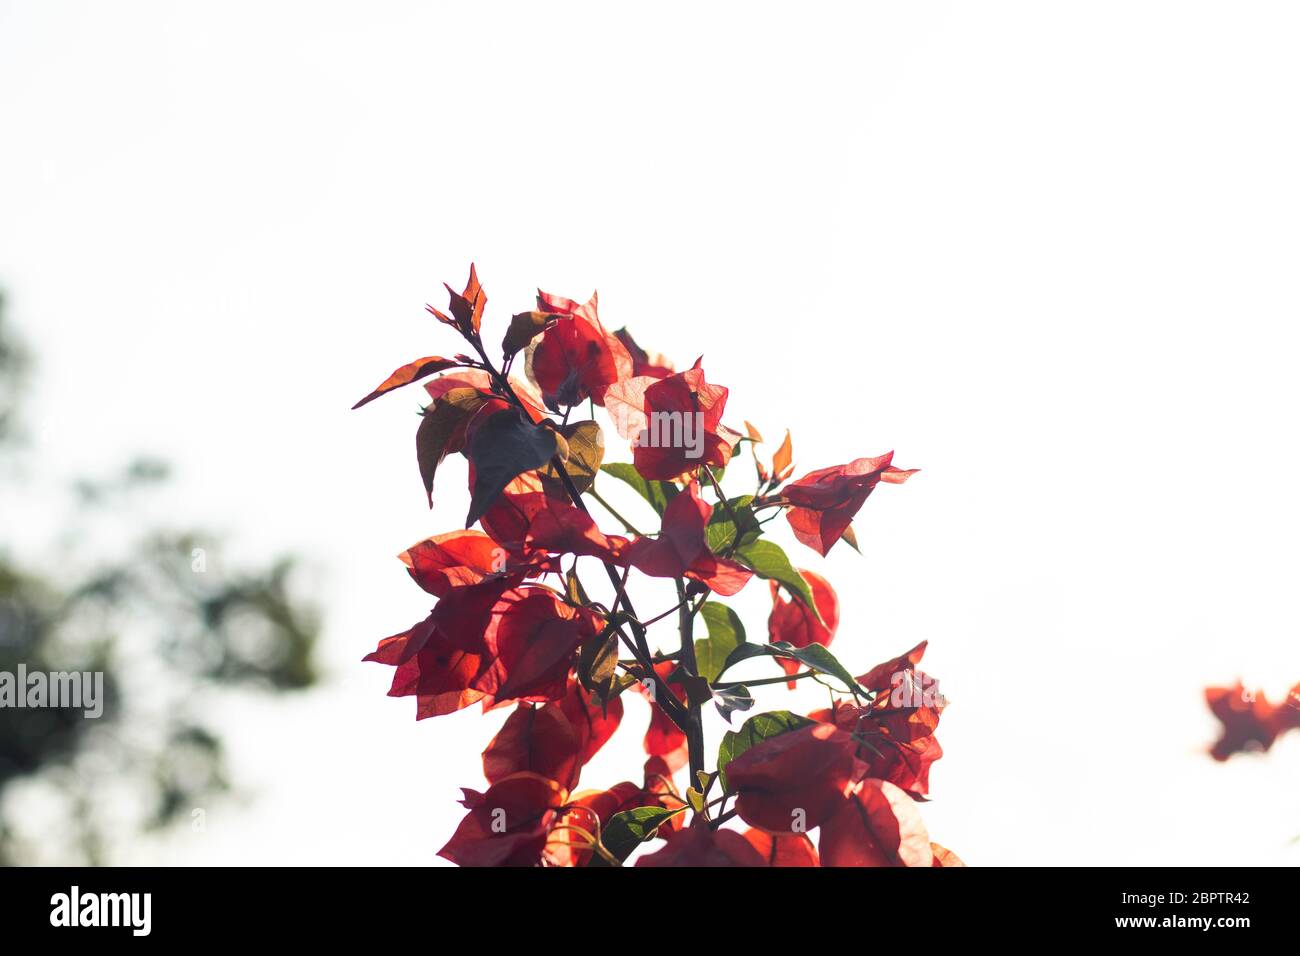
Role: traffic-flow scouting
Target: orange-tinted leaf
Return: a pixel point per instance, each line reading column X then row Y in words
column 467, row 307
column 782, row 460
column 408, row 373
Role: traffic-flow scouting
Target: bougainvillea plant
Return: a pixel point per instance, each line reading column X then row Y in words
column 1251, row 722
column 515, row 624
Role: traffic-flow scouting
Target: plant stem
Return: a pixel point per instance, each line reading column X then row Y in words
column 694, row 719
column 628, row 526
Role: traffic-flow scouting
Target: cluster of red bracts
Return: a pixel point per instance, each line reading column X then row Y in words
column 499, row 635
column 852, row 774
column 1251, row 722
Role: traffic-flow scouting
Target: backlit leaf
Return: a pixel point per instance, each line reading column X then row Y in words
column 504, row 446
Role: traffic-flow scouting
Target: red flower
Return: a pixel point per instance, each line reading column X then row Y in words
column 703, row 846
column 878, row 825
column 456, row 559
column 790, row 783
column 508, row 825
column 794, row 622
column 430, row 667
column 793, row 850
column 683, row 550
column 825, row 501
column 674, row 423
column 530, row 644
column 555, row 740
column 576, row 358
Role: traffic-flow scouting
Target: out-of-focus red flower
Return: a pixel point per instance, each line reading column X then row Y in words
column 877, row 825
column 794, row 622
column 507, row 825
column 1251, row 722
column 792, row 850
column 825, row 501
column 701, row 845
column 575, row 358
column 682, row 549
column 674, row 423
column 792, row 782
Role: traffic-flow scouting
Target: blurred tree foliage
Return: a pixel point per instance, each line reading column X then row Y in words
column 173, row 630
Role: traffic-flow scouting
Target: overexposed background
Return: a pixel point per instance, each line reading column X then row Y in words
column 1045, row 251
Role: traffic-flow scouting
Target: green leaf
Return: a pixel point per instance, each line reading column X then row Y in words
column 768, row 560
column 758, row 728
column 814, row 656
column 722, row 531
column 658, row 493
column 726, row 633
column 731, row 699
column 502, row 448
column 586, row 450
column 628, row 829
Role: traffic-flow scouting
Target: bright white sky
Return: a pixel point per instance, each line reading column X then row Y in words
column 1045, row 251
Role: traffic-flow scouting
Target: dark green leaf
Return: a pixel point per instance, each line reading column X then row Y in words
column 628, row 829
column 726, row 633
column 814, row 656
column 734, row 698
column 758, row 728
column 502, row 448
column 722, row 531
